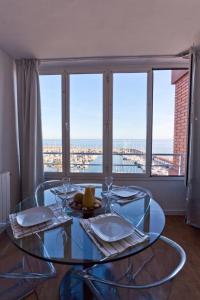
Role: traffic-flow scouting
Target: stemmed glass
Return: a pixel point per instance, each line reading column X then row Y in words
column 108, row 183
column 66, row 184
column 67, row 194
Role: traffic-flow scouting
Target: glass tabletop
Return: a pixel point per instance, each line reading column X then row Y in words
column 70, row 244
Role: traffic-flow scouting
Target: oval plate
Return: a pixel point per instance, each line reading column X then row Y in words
column 34, row 216
column 111, row 228
column 124, row 192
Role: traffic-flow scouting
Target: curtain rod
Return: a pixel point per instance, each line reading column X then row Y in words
column 179, row 55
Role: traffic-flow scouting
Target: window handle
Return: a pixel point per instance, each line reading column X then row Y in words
column 67, row 126
column 107, row 124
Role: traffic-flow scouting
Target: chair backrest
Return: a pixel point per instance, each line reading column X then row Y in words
column 49, row 184
column 19, row 272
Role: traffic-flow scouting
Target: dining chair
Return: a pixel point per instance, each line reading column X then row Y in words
column 49, row 184
column 20, row 273
column 148, row 277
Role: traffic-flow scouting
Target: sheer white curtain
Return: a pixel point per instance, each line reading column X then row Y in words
column 29, row 125
column 193, row 180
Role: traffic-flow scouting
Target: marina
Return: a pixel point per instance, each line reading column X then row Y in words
column 89, row 159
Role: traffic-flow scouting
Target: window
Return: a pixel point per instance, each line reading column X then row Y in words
column 129, row 122
column 86, row 123
column 170, row 108
column 125, row 122
column 51, row 111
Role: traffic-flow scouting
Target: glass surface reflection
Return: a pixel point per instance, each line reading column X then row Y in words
column 70, row 244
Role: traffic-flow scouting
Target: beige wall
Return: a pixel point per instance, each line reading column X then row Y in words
column 169, row 192
column 8, row 145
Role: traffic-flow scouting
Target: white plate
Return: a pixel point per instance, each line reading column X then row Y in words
column 111, row 228
column 125, row 193
column 34, row 216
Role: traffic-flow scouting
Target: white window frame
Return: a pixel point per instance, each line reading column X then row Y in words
column 107, row 68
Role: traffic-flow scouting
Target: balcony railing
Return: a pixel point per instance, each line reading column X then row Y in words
column 175, row 163
column 162, row 164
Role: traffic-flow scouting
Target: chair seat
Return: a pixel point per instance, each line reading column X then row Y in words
column 147, row 275
column 19, row 272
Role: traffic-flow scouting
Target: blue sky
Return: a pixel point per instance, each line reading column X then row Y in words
column 163, row 105
column 129, row 106
column 86, row 106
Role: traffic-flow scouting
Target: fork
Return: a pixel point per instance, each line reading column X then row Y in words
column 88, row 229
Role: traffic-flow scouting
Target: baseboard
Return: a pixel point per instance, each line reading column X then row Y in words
column 169, row 212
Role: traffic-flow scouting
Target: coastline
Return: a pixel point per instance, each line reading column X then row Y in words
column 86, row 155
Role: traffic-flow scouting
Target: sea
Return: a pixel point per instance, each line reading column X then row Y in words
column 162, row 146
column 159, row 145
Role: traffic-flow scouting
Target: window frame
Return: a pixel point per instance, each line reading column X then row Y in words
column 148, row 124
column 107, row 69
column 104, row 139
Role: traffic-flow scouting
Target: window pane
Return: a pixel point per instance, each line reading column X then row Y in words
column 129, row 122
column 86, row 123
column 51, row 110
column 170, row 107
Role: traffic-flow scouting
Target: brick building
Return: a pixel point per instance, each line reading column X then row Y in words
column 180, row 78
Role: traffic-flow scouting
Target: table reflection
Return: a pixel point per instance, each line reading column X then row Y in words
column 70, row 244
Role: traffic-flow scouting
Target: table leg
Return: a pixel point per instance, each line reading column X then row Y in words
column 76, row 286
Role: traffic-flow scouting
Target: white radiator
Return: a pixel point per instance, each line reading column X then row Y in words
column 4, row 196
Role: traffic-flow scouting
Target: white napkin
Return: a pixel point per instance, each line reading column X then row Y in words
column 58, row 219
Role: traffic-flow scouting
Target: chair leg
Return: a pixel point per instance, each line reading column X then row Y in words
column 129, row 273
column 134, row 275
column 28, row 294
column 91, row 286
column 36, row 294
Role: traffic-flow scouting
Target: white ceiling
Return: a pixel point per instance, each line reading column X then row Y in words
column 88, row 28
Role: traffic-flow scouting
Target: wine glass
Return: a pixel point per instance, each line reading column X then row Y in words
column 67, row 189
column 108, row 183
column 66, row 184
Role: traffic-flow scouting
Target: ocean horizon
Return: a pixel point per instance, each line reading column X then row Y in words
column 120, row 165
column 159, row 145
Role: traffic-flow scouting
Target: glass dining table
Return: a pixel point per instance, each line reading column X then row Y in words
column 69, row 244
